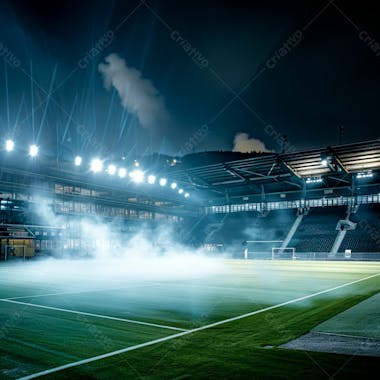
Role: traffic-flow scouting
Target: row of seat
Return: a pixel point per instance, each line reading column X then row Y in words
column 316, row 233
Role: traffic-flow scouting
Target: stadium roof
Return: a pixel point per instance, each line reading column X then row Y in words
column 270, row 172
column 218, row 177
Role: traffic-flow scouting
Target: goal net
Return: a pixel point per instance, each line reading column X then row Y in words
column 279, row 253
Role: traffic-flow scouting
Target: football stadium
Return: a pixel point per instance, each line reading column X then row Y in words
column 216, row 264
column 189, row 190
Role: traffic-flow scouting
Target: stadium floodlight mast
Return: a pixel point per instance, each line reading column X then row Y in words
column 151, row 179
column 137, row 175
column 173, row 185
column 163, row 181
column 122, row 172
column 96, row 165
column 78, row 161
column 111, row 169
column 9, row 145
column 33, row 150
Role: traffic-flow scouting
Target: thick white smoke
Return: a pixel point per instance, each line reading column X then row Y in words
column 109, row 255
column 138, row 95
column 244, row 144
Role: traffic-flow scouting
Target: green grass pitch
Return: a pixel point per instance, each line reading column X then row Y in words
column 76, row 321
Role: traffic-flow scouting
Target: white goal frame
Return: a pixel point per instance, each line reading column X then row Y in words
column 280, row 250
column 247, row 251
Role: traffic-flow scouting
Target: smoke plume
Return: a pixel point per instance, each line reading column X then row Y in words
column 138, row 95
column 244, row 144
column 109, row 253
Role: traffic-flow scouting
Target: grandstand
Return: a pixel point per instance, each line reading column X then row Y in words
column 365, row 237
column 323, row 201
column 309, row 201
column 217, row 265
column 317, row 231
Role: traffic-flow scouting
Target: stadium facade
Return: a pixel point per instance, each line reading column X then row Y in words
column 320, row 202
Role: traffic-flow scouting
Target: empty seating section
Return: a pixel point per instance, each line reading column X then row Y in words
column 273, row 228
column 239, row 227
column 196, row 230
column 315, row 234
column 317, row 231
column 366, row 236
column 230, row 230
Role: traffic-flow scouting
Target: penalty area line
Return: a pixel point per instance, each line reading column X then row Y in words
column 184, row 333
column 93, row 315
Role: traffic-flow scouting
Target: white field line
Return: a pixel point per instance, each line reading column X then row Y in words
column 78, row 292
column 93, row 315
column 56, row 294
column 160, row 340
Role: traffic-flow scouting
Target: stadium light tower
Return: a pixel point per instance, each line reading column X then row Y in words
column 78, row 161
column 33, row 150
column 9, row 145
column 96, row 165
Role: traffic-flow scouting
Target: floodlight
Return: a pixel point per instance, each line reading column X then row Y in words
column 151, row 179
column 173, row 185
column 180, row 191
column 163, row 181
column 111, row 169
column 33, row 150
column 187, row 195
column 137, row 175
column 78, row 161
column 367, row 174
column 122, row 172
column 9, row 145
column 314, row 180
column 96, row 165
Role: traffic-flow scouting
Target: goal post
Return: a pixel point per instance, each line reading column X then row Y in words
column 258, row 248
column 288, row 253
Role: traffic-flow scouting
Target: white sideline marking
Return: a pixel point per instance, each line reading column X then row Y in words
column 93, row 315
column 56, row 294
column 79, row 292
column 152, row 342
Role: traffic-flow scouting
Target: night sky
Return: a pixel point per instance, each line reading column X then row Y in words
column 201, row 72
